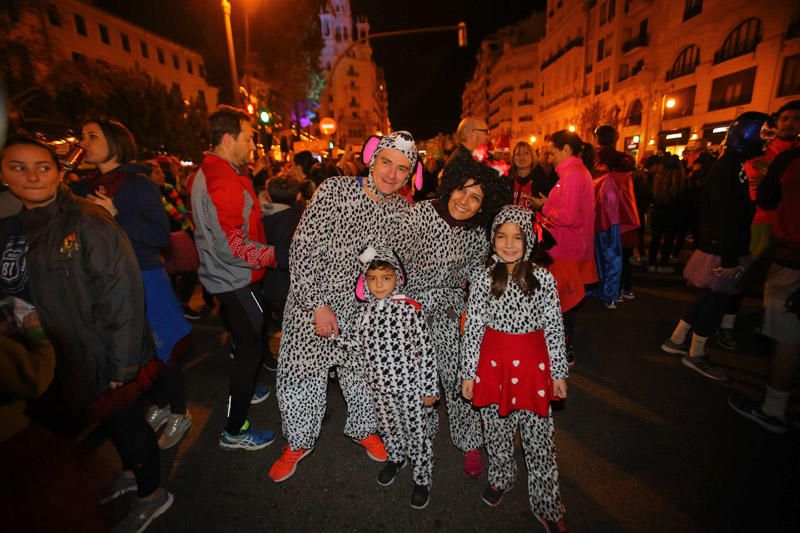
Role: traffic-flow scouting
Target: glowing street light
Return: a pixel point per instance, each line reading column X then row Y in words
column 670, row 103
column 571, row 127
column 636, row 139
column 533, row 139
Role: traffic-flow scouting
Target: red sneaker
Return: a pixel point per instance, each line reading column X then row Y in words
column 374, row 447
column 286, row 464
column 473, row 464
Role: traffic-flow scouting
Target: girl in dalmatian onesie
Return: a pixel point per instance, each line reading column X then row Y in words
column 514, row 364
column 439, row 243
column 344, row 216
column 391, row 334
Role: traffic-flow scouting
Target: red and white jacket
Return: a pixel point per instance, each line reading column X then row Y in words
column 229, row 233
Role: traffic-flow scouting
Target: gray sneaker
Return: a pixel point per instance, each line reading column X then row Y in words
column 118, row 486
column 177, row 425
column 157, row 416
column 144, row 512
column 673, row 347
column 703, row 366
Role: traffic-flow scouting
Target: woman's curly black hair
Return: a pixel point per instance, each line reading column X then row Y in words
column 497, row 190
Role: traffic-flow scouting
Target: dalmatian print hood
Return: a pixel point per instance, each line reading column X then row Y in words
column 522, row 217
column 398, row 140
column 378, row 253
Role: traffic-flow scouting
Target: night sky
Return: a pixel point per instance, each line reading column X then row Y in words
column 425, row 74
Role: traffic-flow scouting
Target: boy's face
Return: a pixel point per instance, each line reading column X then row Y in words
column 381, row 282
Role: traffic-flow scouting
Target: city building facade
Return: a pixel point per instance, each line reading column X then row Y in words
column 664, row 72
column 69, row 30
column 355, row 93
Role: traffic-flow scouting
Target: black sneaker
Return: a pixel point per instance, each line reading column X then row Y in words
column 703, row 366
column 492, row 496
column 420, row 497
column 570, row 356
column 726, row 339
column 191, row 314
column 270, row 363
column 753, row 411
column 387, row 474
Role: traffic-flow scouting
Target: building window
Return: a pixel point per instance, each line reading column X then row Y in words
column 353, row 102
column 684, row 103
column 202, row 70
column 78, row 58
column 104, row 34
column 733, row 89
column 126, row 43
column 600, row 49
column 160, row 54
column 189, row 67
column 635, row 114
column 145, row 51
column 790, row 77
column 624, row 72
column 742, row 40
column 692, row 8
column 201, row 97
column 53, row 15
column 685, row 63
column 80, row 24
column 612, row 9
column 176, row 62
column 603, row 10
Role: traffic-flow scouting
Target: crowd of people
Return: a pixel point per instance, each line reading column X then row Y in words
column 422, row 284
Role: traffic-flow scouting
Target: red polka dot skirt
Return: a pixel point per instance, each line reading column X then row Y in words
column 513, row 373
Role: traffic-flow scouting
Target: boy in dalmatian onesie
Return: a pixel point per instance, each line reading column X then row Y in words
column 390, row 332
column 514, row 363
column 344, row 216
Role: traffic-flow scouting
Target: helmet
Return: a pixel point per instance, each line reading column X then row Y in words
column 749, row 132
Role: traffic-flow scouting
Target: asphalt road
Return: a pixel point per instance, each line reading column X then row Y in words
column 644, row 444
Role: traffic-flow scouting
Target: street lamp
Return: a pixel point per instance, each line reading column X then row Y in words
column 571, row 127
column 670, row 103
column 226, row 10
column 533, row 139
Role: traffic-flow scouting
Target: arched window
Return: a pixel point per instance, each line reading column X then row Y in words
column 635, row 114
column 685, row 63
column 742, row 40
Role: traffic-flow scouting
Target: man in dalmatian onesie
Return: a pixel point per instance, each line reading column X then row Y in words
column 391, row 333
column 345, row 215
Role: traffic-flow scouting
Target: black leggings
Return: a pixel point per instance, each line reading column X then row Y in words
column 137, row 446
column 243, row 312
column 664, row 222
column 707, row 311
column 627, row 269
column 169, row 389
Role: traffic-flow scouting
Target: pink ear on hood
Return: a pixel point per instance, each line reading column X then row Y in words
column 418, row 177
column 360, row 289
column 369, row 149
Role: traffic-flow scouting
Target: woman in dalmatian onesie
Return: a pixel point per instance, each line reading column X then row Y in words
column 440, row 242
column 514, row 363
column 344, row 216
column 391, row 333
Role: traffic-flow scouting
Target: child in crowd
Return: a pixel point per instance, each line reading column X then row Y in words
column 400, row 368
column 514, row 364
column 281, row 217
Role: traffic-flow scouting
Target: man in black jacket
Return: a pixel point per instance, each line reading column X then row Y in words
column 76, row 266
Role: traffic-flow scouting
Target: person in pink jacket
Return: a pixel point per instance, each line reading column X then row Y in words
column 568, row 214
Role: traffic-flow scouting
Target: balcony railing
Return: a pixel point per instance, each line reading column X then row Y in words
column 577, row 41
column 636, row 42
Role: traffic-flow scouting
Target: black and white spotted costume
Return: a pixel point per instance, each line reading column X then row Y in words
column 438, row 257
column 513, row 312
column 339, row 222
column 400, row 368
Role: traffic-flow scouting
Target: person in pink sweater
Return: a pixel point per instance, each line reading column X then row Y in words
column 568, row 214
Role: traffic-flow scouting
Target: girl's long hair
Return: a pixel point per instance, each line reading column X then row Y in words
column 522, row 275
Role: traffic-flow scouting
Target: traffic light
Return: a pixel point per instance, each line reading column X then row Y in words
column 250, row 109
column 462, row 34
column 263, row 116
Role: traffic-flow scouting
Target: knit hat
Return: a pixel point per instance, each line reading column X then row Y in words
column 522, row 217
